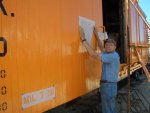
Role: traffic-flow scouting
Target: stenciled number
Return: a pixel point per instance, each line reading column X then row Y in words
column 2, row 73
column 3, row 106
column 3, row 90
column 2, row 39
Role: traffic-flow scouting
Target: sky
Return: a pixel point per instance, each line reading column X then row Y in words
column 145, row 5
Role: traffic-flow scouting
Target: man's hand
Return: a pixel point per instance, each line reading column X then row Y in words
column 100, row 43
column 82, row 34
column 96, row 31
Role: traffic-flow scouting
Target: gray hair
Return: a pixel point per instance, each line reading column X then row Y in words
column 110, row 41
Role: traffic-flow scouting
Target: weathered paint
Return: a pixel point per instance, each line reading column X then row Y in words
column 138, row 33
column 43, row 51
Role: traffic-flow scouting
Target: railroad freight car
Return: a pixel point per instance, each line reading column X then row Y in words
column 42, row 61
column 118, row 15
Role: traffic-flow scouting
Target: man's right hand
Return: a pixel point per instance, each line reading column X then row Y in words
column 100, row 43
column 96, row 31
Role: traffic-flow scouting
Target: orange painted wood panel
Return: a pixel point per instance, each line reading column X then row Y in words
column 43, row 51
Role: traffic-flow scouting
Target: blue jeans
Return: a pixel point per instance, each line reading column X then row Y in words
column 108, row 97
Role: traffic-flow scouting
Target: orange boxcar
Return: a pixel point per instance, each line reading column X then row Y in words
column 42, row 61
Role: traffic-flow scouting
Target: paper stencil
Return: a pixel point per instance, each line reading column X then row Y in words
column 87, row 26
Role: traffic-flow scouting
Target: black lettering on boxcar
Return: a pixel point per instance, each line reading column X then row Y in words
column 2, row 39
column 2, row 7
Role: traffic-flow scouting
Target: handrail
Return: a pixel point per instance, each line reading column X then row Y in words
column 140, row 14
column 141, row 62
column 139, row 46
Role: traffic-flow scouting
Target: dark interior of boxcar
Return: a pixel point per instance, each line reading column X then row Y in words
column 114, row 21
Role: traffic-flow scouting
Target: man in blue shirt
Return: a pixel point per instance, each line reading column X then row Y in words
column 110, row 69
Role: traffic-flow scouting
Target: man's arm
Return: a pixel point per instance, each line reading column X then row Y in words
column 100, row 44
column 87, row 46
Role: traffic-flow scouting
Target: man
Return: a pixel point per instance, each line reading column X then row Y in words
column 110, row 69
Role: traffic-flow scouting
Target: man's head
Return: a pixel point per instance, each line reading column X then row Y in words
column 109, row 45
